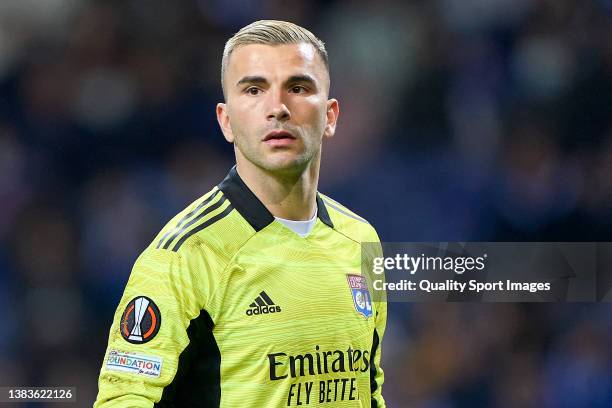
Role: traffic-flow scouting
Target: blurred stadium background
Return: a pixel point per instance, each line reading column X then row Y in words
column 481, row 120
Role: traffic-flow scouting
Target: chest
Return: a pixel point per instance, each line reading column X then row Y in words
column 295, row 291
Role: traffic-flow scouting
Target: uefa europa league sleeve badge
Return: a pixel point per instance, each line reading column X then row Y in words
column 140, row 321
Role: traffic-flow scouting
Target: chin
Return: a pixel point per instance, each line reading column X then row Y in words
column 286, row 165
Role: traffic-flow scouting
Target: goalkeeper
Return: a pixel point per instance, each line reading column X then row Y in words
column 253, row 295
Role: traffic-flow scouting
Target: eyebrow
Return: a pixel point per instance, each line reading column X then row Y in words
column 304, row 78
column 252, row 80
column 255, row 79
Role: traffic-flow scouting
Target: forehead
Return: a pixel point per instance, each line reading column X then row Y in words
column 260, row 59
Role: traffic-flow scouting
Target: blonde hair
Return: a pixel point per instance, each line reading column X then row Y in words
column 271, row 32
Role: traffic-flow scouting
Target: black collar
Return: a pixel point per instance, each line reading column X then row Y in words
column 253, row 210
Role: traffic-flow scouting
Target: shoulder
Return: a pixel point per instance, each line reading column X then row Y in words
column 209, row 224
column 349, row 223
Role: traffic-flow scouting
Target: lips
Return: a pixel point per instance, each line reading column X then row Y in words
column 279, row 139
column 278, row 135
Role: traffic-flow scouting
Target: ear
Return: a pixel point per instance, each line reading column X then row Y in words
column 333, row 110
column 224, row 122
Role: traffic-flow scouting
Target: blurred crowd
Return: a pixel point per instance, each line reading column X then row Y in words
column 461, row 120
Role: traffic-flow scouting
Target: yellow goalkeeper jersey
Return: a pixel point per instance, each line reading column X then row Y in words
column 227, row 307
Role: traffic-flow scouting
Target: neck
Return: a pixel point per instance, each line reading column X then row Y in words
column 288, row 195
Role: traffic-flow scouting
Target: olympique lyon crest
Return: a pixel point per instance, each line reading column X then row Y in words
column 140, row 321
column 361, row 294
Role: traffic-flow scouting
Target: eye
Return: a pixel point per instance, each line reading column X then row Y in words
column 252, row 90
column 298, row 89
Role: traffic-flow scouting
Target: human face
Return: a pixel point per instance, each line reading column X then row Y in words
column 276, row 111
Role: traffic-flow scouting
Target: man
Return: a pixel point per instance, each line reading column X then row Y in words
column 253, row 295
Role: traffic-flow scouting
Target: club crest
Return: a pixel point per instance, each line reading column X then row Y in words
column 360, row 293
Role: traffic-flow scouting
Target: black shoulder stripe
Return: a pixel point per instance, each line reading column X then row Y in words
column 340, row 210
column 185, row 227
column 373, row 372
column 197, row 382
column 200, row 227
column 186, row 217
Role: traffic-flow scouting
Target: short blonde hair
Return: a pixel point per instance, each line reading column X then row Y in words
column 271, row 32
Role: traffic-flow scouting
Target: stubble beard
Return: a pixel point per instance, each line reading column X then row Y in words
column 279, row 166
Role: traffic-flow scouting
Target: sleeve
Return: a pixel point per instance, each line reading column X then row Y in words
column 374, row 249
column 377, row 375
column 149, row 331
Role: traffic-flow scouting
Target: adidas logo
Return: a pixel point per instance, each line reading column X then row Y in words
column 262, row 305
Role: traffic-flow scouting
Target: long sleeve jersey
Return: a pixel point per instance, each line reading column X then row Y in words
column 229, row 308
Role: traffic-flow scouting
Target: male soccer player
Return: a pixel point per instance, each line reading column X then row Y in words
column 253, row 295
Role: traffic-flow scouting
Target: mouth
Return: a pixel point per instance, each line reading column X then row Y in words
column 279, row 139
column 278, row 135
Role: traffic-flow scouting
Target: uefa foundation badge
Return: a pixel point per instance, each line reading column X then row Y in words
column 140, row 321
column 361, row 294
column 148, row 366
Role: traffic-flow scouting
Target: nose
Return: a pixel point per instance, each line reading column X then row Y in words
column 278, row 109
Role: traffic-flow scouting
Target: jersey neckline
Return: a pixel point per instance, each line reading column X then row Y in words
column 252, row 209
